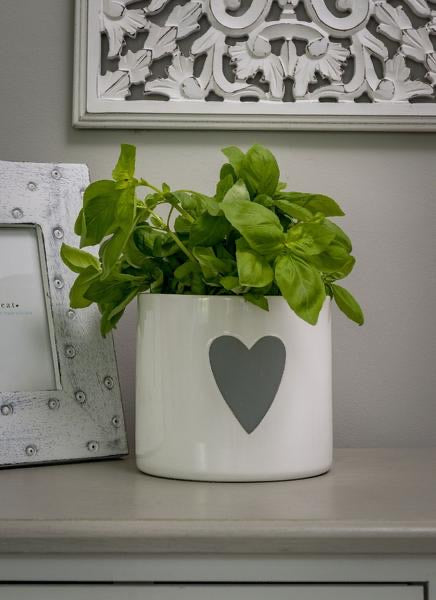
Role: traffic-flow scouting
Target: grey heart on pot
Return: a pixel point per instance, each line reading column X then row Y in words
column 248, row 378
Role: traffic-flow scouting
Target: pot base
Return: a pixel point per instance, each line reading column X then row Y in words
column 211, row 477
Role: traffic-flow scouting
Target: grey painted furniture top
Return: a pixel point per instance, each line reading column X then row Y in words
column 375, row 501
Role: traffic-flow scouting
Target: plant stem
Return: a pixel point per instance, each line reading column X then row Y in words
column 166, row 226
column 180, row 244
column 169, row 216
column 145, row 183
column 183, row 212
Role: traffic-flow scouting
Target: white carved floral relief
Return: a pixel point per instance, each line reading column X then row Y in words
column 269, row 51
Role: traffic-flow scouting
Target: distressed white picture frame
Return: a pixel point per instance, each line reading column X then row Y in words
column 100, row 99
column 82, row 418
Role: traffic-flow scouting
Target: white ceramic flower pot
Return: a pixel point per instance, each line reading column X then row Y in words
column 228, row 392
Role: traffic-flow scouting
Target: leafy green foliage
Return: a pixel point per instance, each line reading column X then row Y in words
column 124, row 170
column 235, row 157
column 260, row 171
column 347, row 303
column 253, row 269
column 208, row 230
column 259, row 226
column 251, row 238
column 314, row 203
column 309, row 238
column 97, row 217
column 301, row 285
column 78, row 260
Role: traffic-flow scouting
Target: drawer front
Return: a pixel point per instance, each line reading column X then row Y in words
column 211, row 592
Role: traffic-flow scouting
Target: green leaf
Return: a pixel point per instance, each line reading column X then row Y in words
column 344, row 270
column 340, row 235
column 152, row 200
column 100, row 202
column 211, row 266
column 165, row 247
column 227, row 169
column 108, row 292
column 314, row 203
column 260, row 171
column 264, row 200
column 231, row 283
column 125, row 167
column 223, row 187
column 222, row 252
column 79, row 224
column 194, row 204
column 294, row 210
column 301, row 286
column 213, row 207
column 258, row 225
column 154, row 243
column 253, row 269
column 119, row 308
column 156, row 286
column 80, row 287
column 334, row 260
column 111, row 250
column 347, row 304
column 78, row 260
column 208, row 230
column 139, row 278
column 112, row 297
column 126, row 208
column 182, row 225
column 197, row 284
column 258, row 300
column 237, row 193
column 235, row 157
column 185, row 270
column 144, row 238
column 309, row 238
column 133, row 255
column 107, row 324
column 109, row 321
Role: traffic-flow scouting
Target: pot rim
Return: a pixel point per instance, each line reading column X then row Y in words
column 197, row 296
column 209, row 296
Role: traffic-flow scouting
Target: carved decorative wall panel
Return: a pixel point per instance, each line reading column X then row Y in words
column 256, row 63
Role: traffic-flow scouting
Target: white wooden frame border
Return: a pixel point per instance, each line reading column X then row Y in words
column 83, row 418
column 91, row 112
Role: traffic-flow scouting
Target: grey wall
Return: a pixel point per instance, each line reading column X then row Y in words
column 385, row 372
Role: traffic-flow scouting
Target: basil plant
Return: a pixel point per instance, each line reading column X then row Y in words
column 251, row 238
